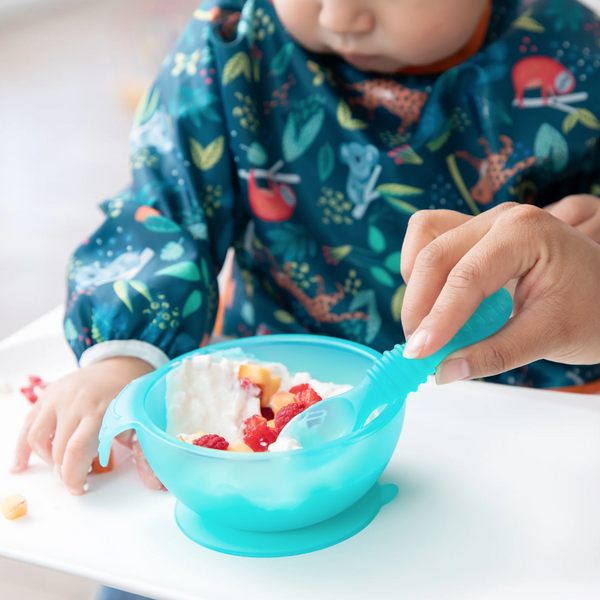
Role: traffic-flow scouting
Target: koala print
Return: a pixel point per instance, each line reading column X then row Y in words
column 363, row 162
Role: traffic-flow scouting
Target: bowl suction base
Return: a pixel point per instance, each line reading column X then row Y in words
column 285, row 543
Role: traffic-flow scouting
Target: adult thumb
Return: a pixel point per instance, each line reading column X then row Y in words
column 521, row 341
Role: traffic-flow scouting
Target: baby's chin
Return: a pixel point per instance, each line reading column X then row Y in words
column 374, row 64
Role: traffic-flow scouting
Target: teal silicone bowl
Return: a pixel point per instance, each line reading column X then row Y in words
column 263, row 492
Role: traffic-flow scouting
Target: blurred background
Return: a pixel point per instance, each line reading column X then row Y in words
column 71, row 72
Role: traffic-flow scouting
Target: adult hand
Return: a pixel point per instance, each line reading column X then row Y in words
column 451, row 262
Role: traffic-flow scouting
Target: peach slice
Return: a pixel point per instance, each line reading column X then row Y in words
column 257, row 375
column 281, row 399
column 239, row 446
column 189, row 439
column 13, row 507
column 269, row 389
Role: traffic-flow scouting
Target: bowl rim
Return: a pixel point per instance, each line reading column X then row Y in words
column 376, row 425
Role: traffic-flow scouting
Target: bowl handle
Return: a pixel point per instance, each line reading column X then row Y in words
column 120, row 416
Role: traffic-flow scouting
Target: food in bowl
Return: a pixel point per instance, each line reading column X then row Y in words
column 238, row 405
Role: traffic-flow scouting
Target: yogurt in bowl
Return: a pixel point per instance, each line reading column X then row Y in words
column 234, row 404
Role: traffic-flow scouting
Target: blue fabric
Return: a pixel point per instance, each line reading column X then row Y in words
column 312, row 169
column 107, row 593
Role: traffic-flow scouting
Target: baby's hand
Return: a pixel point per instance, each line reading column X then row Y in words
column 451, row 262
column 63, row 426
column 581, row 211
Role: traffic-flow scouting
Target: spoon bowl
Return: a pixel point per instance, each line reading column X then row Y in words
column 391, row 377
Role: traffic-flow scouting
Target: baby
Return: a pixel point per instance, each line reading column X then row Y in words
column 305, row 133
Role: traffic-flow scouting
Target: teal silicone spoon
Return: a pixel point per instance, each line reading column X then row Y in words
column 389, row 380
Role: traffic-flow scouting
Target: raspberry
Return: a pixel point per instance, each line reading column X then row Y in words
column 307, row 398
column 267, row 413
column 245, row 383
column 252, row 422
column 29, row 394
column 260, row 437
column 216, row 442
column 37, row 382
column 299, row 388
column 286, row 414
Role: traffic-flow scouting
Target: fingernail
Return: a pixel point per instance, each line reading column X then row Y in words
column 415, row 344
column 456, row 369
column 86, row 487
column 58, row 471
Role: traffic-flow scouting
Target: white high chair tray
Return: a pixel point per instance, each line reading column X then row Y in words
column 499, row 497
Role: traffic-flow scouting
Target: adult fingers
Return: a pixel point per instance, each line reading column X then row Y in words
column 435, row 262
column 424, row 227
column 41, row 433
column 591, row 228
column 23, row 449
column 79, row 454
column 527, row 337
column 574, row 210
column 511, row 247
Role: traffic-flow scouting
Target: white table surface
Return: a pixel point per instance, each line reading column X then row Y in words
column 499, row 498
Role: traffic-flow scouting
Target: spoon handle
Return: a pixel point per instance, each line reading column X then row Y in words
column 397, row 376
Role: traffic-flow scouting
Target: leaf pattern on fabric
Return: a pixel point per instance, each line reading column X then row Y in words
column 120, row 287
column 397, row 300
column 172, row 251
column 207, row 158
column 141, row 288
column 237, row 65
column 326, row 162
column 345, row 119
column 192, row 304
column 281, row 60
column 550, row 144
column 298, row 139
column 368, row 299
column 184, row 270
column 70, row 330
column 377, row 241
column 147, row 106
column 392, row 262
column 292, row 242
column 283, row 316
column 160, row 224
column 527, row 23
column 382, row 276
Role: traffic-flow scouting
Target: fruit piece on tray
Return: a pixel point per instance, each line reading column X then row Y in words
column 98, row 469
column 35, row 383
column 13, row 507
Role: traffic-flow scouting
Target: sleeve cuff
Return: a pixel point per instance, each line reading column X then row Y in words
column 133, row 348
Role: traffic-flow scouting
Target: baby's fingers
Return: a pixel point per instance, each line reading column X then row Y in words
column 149, row 479
column 23, row 449
column 79, row 454
column 42, row 431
